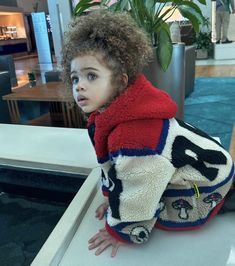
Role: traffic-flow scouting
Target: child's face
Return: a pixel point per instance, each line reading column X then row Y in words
column 91, row 81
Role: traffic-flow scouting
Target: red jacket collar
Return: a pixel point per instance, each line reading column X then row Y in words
column 141, row 100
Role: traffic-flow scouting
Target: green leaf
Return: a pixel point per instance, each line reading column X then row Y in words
column 193, row 6
column 164, row 48
column 82, row 6
column 162, row 25
column 164, row 15
column 193, row 17
column 203, row 2
column 150, row 5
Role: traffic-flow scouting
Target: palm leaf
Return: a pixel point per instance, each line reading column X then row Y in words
column 82, row 6
column 164, row 48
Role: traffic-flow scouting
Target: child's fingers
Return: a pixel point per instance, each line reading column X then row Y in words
column 102, row 247
column 99, row 215
column 94, row 238
column 98, row 242
column 98, row 235
column 101, row 241
column 115, row 249
column 95, row 243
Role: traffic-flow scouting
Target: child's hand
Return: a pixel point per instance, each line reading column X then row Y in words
column 102, row 240
column 100, row 211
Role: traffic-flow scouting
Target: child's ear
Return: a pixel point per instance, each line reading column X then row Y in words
column 125, row 80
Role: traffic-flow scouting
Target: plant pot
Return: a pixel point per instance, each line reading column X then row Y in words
column 7, row 64
column 173, row 80
column 201, row 54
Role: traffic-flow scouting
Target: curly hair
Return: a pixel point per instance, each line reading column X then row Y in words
column 124, row 47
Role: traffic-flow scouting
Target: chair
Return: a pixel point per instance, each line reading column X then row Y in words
column 54, row 107
column 40, row 112
column 51, row 76
column 5, row 88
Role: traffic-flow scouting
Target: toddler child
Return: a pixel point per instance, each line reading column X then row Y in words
column 157, row 171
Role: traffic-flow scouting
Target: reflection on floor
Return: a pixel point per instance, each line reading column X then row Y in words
column 25, row 225
column 31, row 205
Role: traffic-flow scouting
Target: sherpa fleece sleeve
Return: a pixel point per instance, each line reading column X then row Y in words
column 138, row 184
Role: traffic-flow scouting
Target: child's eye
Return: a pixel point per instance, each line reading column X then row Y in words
column 74, row 80
column 91, row 76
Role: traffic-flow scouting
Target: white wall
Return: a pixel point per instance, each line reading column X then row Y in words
column 61, row 15
column 231, row 29
column 206, row 9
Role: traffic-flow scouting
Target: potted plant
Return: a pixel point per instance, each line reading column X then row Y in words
column 203, row 40
column 152, row 16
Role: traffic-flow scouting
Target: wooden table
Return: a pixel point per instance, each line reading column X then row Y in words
column 53, row 92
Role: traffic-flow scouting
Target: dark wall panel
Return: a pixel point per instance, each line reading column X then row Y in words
column 8, row 3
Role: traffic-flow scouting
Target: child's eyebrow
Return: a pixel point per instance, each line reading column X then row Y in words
column 89, row 68
column 84, row 69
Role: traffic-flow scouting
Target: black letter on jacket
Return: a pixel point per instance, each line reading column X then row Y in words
column 180, row 158
column 114, row 193
column 197, row 131
column 91, row 132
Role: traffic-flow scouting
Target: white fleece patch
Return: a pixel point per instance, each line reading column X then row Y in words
column 144, row 179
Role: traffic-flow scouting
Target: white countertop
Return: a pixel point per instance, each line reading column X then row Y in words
column 48, row 148
column 213, row 244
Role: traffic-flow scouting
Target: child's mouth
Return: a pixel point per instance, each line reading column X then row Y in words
column 81, row 100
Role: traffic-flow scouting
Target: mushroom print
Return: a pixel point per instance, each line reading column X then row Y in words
column 139, row 234
column 213, row 199
column 183, row 206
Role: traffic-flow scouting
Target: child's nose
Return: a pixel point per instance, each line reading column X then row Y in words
column 80, row 86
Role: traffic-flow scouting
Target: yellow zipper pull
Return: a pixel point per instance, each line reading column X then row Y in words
column 196, row 190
